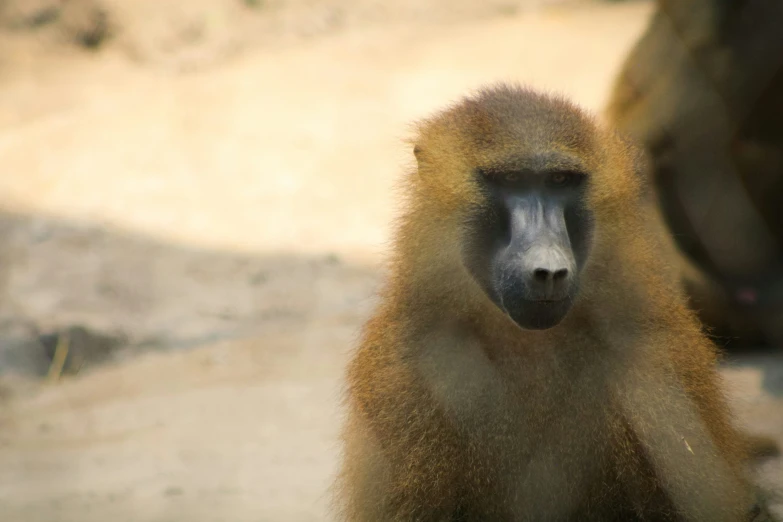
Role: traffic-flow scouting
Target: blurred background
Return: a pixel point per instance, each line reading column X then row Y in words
column 195, row 201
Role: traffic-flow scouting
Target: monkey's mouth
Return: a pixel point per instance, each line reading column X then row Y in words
column 537, row 314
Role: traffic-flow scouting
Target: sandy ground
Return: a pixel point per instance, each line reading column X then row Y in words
column 240, row 211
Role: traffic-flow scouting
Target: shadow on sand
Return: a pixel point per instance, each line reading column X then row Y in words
column 143, row 293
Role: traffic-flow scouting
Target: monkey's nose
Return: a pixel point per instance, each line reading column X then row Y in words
column 544, row 275
column 548, row 275
column 549, row 284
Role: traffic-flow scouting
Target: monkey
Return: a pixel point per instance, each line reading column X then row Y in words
column 702, row 92
column 531, row 358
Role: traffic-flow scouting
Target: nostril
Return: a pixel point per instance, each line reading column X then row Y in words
column 541, row 274
column 560, row 274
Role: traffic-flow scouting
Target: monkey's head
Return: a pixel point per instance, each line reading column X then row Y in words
column 519, row 175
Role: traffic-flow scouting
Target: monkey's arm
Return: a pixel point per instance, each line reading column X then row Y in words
column 397, row 444
column 365, row 481
column 676, row 408
column 378, row 486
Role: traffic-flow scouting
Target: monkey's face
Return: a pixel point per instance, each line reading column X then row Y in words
column 529, row 241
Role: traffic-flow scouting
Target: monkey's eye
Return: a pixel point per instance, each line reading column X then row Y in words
column 564, row 179
column 500, row 177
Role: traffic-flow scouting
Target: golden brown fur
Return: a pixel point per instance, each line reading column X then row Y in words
column 455, row 413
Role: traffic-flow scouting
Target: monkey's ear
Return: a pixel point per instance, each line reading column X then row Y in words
column 418, row 152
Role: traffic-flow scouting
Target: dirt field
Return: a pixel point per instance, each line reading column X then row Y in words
column 225, row 206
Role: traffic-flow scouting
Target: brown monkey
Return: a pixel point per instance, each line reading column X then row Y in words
column 702, row 91
column 532, row 359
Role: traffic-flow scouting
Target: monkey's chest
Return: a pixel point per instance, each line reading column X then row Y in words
column 552, row 458
column 555, row 475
